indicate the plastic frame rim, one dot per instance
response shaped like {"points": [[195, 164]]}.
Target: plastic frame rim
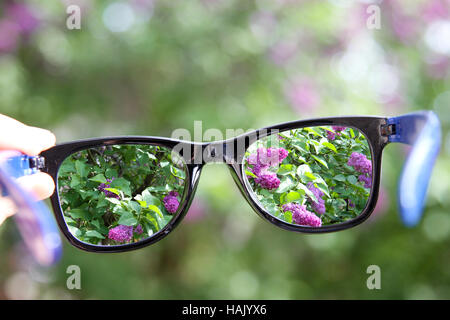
{"points": [[369, 126]]}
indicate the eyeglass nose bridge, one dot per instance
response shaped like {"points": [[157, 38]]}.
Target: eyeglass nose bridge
{"points": [[229, 151], [214, 153]]}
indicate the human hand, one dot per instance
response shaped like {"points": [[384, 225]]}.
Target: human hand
{"points": [[15, 135]]}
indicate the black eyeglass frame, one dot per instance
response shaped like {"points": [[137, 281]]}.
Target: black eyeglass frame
{"points": [[375, 129]]}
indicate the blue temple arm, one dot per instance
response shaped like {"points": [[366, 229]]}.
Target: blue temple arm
{"points": [[34, 220], [421, 130]]}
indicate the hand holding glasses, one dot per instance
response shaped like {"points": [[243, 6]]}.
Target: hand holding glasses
{"points": [[122, 193]]}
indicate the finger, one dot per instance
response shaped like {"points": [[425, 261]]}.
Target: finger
{"points": [[7, 208], [40, 184], [17, 136]]}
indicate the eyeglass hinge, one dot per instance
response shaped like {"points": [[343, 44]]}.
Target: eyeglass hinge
{"points": [[388, 129], [37, 163]]}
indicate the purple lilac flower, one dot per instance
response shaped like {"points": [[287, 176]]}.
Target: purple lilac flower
{"points": [[360, 162], [138, 229], [270, 156], [107, 193], [319, 205], [338, 129], [121, 233], [350, 203], [173, 194], [268, 181], [301, 216], [366, 179], [259, 169], [331, 135], [171, 202], [261, 161]]}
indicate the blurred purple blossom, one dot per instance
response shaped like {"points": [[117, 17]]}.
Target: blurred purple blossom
{"points": [[382, 203], [283, 51], [435, 10], [196, 211], [439, 67], [302, 95], [405, 27], [25, 17], [262, 23], [9, 36]]}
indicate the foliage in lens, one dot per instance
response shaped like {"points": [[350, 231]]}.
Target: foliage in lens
{"points": [[311, 176], [120, 194]]}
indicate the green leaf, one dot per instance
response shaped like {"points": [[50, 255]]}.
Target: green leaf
{"points": [[102, 202], [151, 156], [164, 164], [111, 173], [94, 234], [339, 177], [301, 146], [285, 169], [79, 213], [122, 184], [75, 181], [352, 179], [127, 219], [308, 192], [288, 216], [149, 198], [75, 231], [322, 186], [113, 200], [314, 130], [251, 174], [286, 184], [66, 167], [155, 209], [293, 196], [329, 146], [301, 170], [153, 221], [81, 168], [98, 178], [142, 203], [177, 172], [320, 160], [113, 190]]}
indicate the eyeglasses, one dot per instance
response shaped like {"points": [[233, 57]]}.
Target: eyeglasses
{"points": [[116, 194]]}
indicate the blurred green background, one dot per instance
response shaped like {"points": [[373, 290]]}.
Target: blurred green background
{"points": [[148, 67]]}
